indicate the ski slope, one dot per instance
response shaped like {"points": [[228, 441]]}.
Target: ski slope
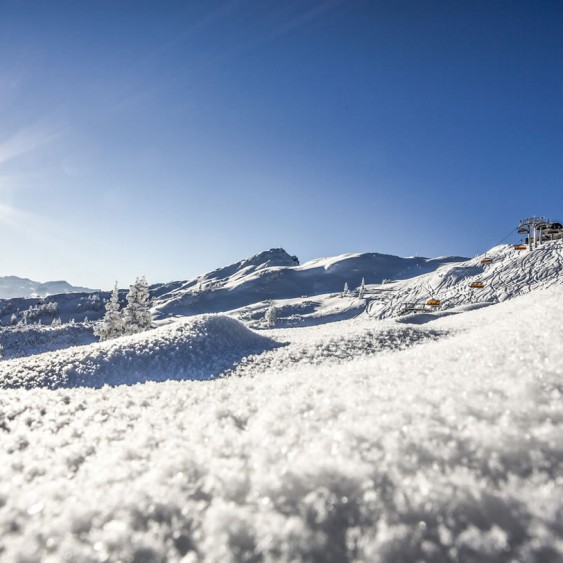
{"points": [[356, 441], [511, 273], [274, 274]]}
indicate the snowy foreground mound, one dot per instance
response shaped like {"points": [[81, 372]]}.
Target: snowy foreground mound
{"points": [[200, 348], [449, 450]]}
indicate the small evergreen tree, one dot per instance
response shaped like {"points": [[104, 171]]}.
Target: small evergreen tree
{"points": [[137, 316], [362, 289], [346, 290], [111, 326], [271, 315]]}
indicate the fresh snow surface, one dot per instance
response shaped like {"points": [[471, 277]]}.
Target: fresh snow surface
{"points": [[379, 441], [198, 348], [27, 340]]}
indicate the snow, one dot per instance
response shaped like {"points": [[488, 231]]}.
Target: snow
{"points": [[348, 433], [26, 340], [274, 275], [350, 443], [199, 348], [13, 286], [511, 273]]}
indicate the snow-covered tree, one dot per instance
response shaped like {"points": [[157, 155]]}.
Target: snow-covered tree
{"points": [[111, 326], [346, 290], [362, 289], [271, 315], [137, 316]]}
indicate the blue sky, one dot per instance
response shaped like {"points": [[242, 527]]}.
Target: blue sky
{"points": [[168, 138]]}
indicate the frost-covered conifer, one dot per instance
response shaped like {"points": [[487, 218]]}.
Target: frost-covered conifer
{"points": [[111, 326], [346, 290], [137, 316], [271, 315], [362, 289]]}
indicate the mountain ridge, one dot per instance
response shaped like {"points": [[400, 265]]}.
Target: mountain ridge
{"points": [[14, 286]]}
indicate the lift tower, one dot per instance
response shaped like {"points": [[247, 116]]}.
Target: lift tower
{"points": [[532, 227]]}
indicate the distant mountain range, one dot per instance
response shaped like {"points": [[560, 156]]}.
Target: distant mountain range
{"points": [[13, 286]]}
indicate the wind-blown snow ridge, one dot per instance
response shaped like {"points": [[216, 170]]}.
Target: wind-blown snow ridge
{"points": [[200, 348]]}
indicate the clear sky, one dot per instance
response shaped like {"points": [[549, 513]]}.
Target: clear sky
{"points": [[168, 138]]}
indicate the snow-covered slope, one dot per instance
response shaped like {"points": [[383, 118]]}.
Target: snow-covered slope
{"points": [[448, 450], [510, 274], [13, 286], [26, 340], [272, 274], [65, 306], [201, 348], [275, 275]]}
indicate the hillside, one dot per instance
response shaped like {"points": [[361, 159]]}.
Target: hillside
{"points": [[355, 441], [504, 273], [272, 274], [275, 275]]}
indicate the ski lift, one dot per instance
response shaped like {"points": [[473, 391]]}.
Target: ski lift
{"points": [[486, 260], [477, 285], [520, 247], [433, 302]]}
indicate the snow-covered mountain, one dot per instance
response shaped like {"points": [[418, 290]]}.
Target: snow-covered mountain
{"points": [[275, 274], [13, 286], [272, 274]]}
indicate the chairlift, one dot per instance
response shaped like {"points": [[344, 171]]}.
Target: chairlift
{"points": [[477, 285]]}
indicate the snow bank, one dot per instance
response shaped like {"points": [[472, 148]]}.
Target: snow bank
{"points": [[448, 451], [200, 348], [25, 340]]}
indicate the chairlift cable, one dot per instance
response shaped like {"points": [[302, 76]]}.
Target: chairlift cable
{"points": [[501, 241]]}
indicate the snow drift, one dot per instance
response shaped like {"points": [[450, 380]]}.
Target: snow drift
{"points": [[200, 348]]}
